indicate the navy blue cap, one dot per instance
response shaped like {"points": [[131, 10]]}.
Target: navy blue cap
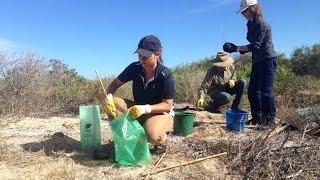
{"points": [[148, 45]]}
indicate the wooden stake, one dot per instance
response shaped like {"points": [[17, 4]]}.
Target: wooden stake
{"points": [[157, 163], [184, 164]]}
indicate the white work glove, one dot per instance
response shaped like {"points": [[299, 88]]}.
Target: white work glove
{"points": [[138, 110]]}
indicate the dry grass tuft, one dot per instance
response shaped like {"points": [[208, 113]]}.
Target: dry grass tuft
{"points": [[281, 157]]}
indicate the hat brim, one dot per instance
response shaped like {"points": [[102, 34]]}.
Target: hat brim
{"points": [[242, 9], [144, 52], [224, 64]]}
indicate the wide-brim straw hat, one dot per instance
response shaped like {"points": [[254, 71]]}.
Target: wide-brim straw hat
{"points": [[223, 59]]}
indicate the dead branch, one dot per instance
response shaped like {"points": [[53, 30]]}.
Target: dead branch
{"points": [[274, 132], [293, 147], [294, 175], [184, 164], [157, 163]]}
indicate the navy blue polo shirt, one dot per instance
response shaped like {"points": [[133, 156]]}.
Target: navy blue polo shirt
{"points": [[162, 87]]}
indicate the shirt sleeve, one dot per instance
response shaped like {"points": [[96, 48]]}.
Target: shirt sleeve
{"points": [[128, 73], [206, 83], [256, 39]]}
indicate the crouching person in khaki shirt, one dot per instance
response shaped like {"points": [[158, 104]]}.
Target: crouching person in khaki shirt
{"points": [[221, 85]]}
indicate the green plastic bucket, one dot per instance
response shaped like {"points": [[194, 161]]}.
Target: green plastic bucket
{"points": [[90, 132], [183, 123]]}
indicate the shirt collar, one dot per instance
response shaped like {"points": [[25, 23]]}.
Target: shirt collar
{"points": [[254, 19], [158, 70]]}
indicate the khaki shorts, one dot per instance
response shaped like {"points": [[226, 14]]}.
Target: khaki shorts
{"points": [[156, 125]]}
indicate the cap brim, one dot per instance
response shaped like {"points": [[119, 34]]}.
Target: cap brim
{"points": [[242, 9], [144, 52]]}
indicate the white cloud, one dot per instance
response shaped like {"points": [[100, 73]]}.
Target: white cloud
{"points": [[6, 44]]}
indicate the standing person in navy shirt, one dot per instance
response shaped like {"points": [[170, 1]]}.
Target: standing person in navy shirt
{"points": [[153, 90], [264, 63]]}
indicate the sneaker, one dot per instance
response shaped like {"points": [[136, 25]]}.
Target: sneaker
{"points": [[253, 121], [269, 123], [275, 122]]}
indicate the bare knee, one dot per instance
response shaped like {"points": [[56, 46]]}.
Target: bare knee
{"points": [[156, 136], [156, 127]]}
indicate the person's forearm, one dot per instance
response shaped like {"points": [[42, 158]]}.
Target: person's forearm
{"points": [[243, 49], [113, 87], [161, 107]]}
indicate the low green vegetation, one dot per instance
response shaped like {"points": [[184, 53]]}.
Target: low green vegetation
{"points": [[29, 85]]}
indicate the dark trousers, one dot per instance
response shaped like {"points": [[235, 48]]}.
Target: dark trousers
{"points": [[224, 96], [260, 91]]}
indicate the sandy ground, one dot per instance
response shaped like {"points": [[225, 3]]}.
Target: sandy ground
{"points": [[49, 148]]}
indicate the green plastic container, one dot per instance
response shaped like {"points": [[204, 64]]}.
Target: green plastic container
{"points": [[183, 123], [90, 127]]}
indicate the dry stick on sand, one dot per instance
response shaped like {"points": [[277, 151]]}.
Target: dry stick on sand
{"points": [[184, 164], [157, 163], [294, 175], [274, 132]]}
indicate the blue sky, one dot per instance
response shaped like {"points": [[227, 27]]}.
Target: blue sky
{"points": [[103, 34]]}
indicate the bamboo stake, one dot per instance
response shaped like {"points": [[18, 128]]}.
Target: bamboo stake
{"points": [[104, 90], [186, 163], [158, 162], [112, 114]]}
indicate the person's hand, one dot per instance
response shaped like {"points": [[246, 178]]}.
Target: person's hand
{"points": [[110, 107], [200, 102], [230, 47], [138, 110], [232, 83]]}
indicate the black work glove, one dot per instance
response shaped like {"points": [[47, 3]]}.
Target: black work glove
{"points": [[230, 47]]}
